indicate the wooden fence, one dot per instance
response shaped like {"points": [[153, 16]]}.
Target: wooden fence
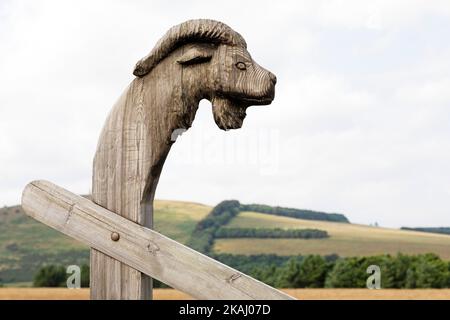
{"points": [[139, 247]]}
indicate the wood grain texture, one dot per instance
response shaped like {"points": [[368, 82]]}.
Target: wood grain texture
{"points": [[198, 59], [141, 248]]}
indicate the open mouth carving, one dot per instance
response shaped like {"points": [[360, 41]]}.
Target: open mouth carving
{"points": [[230, 113]]}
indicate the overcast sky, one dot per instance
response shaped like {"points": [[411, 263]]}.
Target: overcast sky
{"points": [[359, 125]]}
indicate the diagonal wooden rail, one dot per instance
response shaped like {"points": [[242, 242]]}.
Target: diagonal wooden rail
{"points": [[139, 247]]}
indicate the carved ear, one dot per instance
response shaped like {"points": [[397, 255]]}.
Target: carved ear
{"points": [[195, 55]]}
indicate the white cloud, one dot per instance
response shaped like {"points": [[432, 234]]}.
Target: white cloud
{"points": [[359, 124]]}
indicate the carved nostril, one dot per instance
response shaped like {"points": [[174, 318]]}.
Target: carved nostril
{"points": [[273, 78]]}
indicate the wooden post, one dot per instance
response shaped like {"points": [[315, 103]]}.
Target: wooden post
{"points": [[195, 60], [141, 248], [125, 174]]}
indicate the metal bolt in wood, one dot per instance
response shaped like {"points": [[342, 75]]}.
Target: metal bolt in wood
{"points": [[115, 236]]}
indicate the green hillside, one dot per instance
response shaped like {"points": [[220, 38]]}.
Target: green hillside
{"points": [[26, 245], [344, 239]]}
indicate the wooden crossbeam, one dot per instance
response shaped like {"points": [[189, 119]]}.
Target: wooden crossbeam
{"points": [[139, 247]]}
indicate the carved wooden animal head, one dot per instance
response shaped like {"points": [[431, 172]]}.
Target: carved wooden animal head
{"points": [[213, 63]]}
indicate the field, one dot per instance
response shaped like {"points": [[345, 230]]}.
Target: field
{"points": [[25, 244], [177, 219], [345, 239], [304, 294]]}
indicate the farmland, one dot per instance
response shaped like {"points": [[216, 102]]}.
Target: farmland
{"points": [[25, 244], [304, 294], [345, 239]]}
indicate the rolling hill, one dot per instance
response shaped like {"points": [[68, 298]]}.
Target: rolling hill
{"points": [[26, 245], [345, 239]]}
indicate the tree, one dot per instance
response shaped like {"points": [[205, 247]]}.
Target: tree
{"points": [[50, 276], [268, 274], [428, 271], [309, 272], [289, 274], [347, 273], [85, 276], [395, 269]]}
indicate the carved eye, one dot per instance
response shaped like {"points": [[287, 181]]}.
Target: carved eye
{"points": [[241, 66]]}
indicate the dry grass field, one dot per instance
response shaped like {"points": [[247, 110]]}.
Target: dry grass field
{"points": [[177, 219], [304, 294], [345, 239]]}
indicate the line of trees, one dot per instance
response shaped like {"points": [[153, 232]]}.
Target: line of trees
{"points": [[295, 213], [51, 276], [310, 271], [211, 227], [441, 230], [56, 276], [270, 233], [314, 271], [202, 238]]}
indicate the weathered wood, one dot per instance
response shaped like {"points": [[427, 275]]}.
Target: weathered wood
{"points": [[198, 59], [141, 248]]}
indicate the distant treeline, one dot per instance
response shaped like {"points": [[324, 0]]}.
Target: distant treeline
{"points": [[211, 227], [56, 276], [311, 271], [51, 276], [295, 213], [202, 238], [441, 230], [270, 233], [314, 271]]}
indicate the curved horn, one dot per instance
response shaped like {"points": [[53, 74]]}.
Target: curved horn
{"points": [[189, 31]]}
